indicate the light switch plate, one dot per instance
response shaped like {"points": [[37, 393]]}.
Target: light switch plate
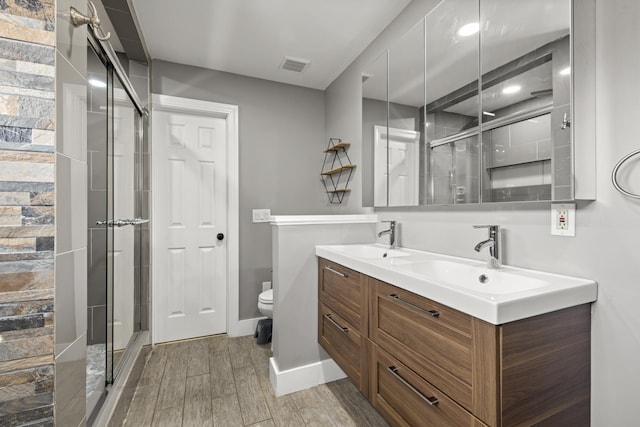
{"points": [[261, 215], [563, 219]]}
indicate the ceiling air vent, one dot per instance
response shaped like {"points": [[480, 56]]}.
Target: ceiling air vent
{"points": [[294, 64]]}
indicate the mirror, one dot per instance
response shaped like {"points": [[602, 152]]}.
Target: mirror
{"points": [[453, 145], [478, 107], [375, 116], [525, 64], [406, 118]]}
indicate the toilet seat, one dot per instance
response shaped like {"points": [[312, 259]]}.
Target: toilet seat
{"points": [[265, 303], [266, 297]]}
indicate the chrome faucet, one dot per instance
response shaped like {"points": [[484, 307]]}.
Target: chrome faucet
{"points": [[493, 243], [392, 234]]}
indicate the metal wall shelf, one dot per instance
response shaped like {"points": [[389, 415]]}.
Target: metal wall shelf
{"points": [[336, 170]]}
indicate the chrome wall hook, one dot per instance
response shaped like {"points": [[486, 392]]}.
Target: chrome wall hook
{"points": [[78, 19]]}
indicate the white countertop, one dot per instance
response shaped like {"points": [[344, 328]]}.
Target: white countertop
{"points": [[509, 293], [322, 219]]}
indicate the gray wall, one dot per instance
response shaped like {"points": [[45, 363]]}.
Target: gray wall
{"points": [[607, 232], [282, 135]]}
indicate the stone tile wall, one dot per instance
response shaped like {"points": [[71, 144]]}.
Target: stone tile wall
{"points": [[27, 213]]}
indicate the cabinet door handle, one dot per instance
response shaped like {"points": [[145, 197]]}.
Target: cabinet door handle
{"points": [[432, 313], [334, 323], [430, 400], [336, 271]]}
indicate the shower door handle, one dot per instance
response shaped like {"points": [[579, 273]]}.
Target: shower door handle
{"points": [[122, 222], [138, 221]]}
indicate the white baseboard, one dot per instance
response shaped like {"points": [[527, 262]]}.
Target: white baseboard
{"points": [[303, 377], [244, 327]]}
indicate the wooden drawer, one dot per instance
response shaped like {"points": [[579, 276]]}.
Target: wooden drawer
{"points": [[347, 346], [406, 399], [433, 340], [345, 291]]}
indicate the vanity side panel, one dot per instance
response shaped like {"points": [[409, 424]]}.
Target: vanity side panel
{"points": [[575, 415], [485, 373], [546, 368]]}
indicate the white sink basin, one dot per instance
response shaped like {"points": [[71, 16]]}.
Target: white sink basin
{"points": [[494, 295], [370, 251], [473, 277]]}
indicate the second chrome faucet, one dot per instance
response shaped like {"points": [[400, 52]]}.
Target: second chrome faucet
{"points": [[392, 234], [493, 243]]}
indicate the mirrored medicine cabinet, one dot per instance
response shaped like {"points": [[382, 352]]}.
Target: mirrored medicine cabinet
{"points": [[483, 101]]}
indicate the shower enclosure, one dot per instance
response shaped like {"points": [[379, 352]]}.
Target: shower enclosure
{"points": [[115, 122]]}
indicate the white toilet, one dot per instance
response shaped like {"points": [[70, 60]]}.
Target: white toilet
{"points": [[265, 303]]}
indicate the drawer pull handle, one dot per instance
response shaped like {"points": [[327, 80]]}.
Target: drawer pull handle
{"points": [[334, 323], [430, 400], [432, 313], [336, 271]]}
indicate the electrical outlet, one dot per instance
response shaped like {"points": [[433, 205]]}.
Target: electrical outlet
{"points": [[563, 219], [261, 215]]}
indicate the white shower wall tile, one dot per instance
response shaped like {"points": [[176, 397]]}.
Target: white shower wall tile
{"points": [[71, 110], [71, 204], [70, 384], [70, 297], [71, 42]]}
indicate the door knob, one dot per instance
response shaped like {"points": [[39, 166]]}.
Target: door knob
{"points": [[220, 236]]}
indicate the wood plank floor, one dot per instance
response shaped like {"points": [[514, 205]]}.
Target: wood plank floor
{"points": [[221, 381]]}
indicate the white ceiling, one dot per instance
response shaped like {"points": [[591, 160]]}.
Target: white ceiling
{"points": [[251, 37]]}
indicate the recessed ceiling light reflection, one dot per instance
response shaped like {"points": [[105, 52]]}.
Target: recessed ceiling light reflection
{"points": [[486, 113], [97, 83], [511, 89], [469, 29], [565, 71]]}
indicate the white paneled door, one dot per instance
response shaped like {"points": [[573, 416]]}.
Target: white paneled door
{"points": [[123, 158], [190, 225]]}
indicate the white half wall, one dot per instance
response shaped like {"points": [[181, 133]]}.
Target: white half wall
{"points": [[298, 360]]}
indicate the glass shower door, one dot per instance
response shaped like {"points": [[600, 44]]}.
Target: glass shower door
{"points": [[114, 139], [123, 262], [99, 363]]}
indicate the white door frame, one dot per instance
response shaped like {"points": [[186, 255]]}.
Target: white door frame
{"points": [[229, 113]]}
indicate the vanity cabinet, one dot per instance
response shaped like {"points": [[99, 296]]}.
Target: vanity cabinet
{"points": [[343, 320], [405, 398], [429, 364], [433, 340]]}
